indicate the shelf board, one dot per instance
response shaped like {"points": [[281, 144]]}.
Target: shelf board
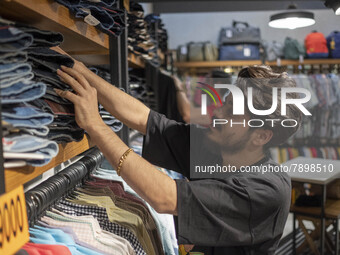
{"points": [[324, 61], [18, 176], [205, 64], [135, 61], [284, 62]]}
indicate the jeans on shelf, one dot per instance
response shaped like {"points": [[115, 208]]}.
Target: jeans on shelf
{"points": [[49, 59], [11, 73], [31, 144], [26, 116], [13, 39], [27, 92], [43, 38], [13, 57]]}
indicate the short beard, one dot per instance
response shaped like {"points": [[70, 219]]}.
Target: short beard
{"points": [[237, 146]]}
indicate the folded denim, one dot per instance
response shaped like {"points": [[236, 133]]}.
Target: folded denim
{"points": [[32, 144], [23, 115], [39, 131], [61, 110], [42, 38], [36, 90], [103, 17], [49, 59], [13, 57], [49, 78], [61, 134], [14, 71], [13, 39], [53, 96]]}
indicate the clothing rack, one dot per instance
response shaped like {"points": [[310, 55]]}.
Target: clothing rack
{"points": [[46, 194]]}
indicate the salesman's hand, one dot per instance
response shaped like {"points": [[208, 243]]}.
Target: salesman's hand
{"points": [[85, 100]]}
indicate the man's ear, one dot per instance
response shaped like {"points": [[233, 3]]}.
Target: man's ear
{"points": [[262, 136]]}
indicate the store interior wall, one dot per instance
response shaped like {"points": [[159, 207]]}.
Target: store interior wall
{"points": [[186, 27]]}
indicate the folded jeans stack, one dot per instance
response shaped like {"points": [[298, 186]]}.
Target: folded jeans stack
{"points": [[25, 123], [100, 13], [139, 39], [156, 29]]}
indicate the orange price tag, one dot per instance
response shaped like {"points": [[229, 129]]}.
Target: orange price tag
{"points": [[13, 221]]}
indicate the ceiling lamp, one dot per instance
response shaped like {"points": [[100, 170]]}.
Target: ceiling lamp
{"points": [[292, 19], [334, 4]]}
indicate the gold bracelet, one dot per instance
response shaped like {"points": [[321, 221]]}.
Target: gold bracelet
{"points": [[121, 160]]}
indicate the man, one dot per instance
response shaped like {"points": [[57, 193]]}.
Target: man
{"points": [[241, 213]]}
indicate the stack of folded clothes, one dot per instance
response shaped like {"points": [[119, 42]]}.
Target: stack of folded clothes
{"points": [[157, 31], [139, 39], [24, 126], [101, 14]]}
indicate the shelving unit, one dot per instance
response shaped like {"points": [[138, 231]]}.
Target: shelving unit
{"points": [[82, 41], [18, 176], [283, 62]]}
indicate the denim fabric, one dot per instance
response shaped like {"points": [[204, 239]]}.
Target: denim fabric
{"points": [[49, 59], [32, 144], [11, 73], [35, 91], [53, 96], [43, 38], [115, 124], [106, 21], [26, 116], [13, 39], [65, 134], [109, 18], [18, 88], [39, 131], [49, 78], [13, 57]]}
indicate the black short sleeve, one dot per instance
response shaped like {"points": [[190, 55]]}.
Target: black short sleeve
{"points": [[240, 210], [213, 213], [167, 143]]}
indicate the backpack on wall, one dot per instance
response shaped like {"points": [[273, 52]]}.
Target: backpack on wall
{"points": [[316, 45], [240, 32], [239, 52], [293, 49], [201, 51], [333, 43], [273, 50]]}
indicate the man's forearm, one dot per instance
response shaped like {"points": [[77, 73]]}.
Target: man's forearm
{"points": [[124, 107], [155, 187]]}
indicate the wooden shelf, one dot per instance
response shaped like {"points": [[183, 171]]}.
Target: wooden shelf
{"points": [[79, 37], [284, 62], [18, 176], [82, 41], [135, 61]]}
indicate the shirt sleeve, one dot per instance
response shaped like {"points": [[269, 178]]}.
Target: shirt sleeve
{"points": [[213, 213], [167, 143]]}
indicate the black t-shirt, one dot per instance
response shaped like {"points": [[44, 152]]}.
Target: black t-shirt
{"points": [[243, 213]]}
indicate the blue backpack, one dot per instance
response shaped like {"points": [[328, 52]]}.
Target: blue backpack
{"points": [[333, 43]]}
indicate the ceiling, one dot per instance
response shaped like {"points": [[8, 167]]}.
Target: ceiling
{"points": [[176, 6]]}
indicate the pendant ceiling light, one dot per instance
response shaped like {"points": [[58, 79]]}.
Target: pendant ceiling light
{"points": [[335, 5], [292, 19]]}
